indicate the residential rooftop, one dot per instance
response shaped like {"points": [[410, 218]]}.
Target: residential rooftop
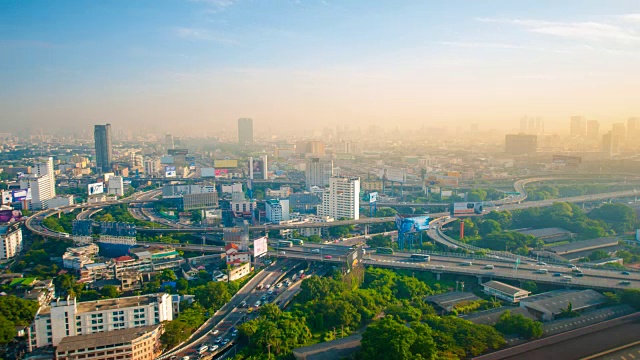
{"points": [[103, 339]]}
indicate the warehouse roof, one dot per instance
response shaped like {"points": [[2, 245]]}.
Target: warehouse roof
{"points": [[584, 245]]}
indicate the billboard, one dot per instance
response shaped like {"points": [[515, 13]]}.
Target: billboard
{"points": [[207, 172], [169, 171], [96, 188], [373, 197], [256, 166], [22, 194], [394, 175], [7, 216], [412, 224], [467, 208], [226, 163], [220, 172], [6, 197], [259, 246]]}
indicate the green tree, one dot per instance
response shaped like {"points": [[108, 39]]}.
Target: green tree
{"points": [[7, 330], [168, 275], [424, 347], [489, 226], [316, 239], [387, 339], [109, 292], [386, 212], [598, 255], [175, 332], [379, 241]]}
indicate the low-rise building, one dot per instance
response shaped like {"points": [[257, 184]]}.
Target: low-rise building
{"points": [[77, 257], [141, 343], [504, 291], [277, 210], [547, 306], [67, 317]]}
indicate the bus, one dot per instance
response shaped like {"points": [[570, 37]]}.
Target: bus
{"points": [[420, 257], [383, 250], [285, 243], [297, 242]]}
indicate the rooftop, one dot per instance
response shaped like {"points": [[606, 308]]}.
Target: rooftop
{"points": [[504, 288], [547, 233], [449, 300], [103, 339], [584, 245], [490, 317], [108, 304], [554, 301]]}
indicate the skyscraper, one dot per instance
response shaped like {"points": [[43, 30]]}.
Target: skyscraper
{"points": [[593, 128], [342, 199], [610, 144], [578, 126], [245, 131], [521, 144], [318, 172], [42, 182], [102, 137]]}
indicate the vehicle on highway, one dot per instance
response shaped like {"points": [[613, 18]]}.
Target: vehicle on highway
{"points": [[576, 270], [488, 266], [249, 310], [542, 263], [420, 257], [566, 278], [542, 271], [268, 286], [218, 339], [263, 298], [213, 348], [328, 257], [625, 282], [571, 266], [625, 273], [257, 304], [270, 292], [215, 331], [466, 263], [557, 274], [579, 274], [315, 251], [384, 250], [242, 304], [225, 342], [279, 285], [439, 266], [297, 242], [185, 358], [285, 243], [234, 333], [203, 349], [282, 253]]}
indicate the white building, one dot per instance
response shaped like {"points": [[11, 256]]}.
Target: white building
{"points": [[306, 232], [61, 201], [67, 317], [283, 192], [243, 206], [11, 240], [151, 166], [318, 172], [342, 199], [233, 188], [116, 186], [277, 210], [173, 191], [42, 182]]}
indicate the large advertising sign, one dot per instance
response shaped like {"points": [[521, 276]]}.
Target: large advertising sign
{"points": [[96, 188], [6, 197], [373, 197], [412, 224], [20, 195], [256, 166], [7, 216], [259, 246], [394, 175], [207, 172], [169, 171], [467, 208], [225, 163]]}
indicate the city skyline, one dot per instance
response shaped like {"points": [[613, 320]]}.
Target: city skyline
{"points": [[313, 64]]}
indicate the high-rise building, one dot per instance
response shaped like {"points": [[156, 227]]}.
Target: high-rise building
{"points": [[619, 130], [610, 144], [633, 128], [104, 156], [578, 126], [168, 141], [593, 129], [318, 172], [245, 131], [521, 144], [342, 199], [116, 186], [277, 210], [10, 240], [67, 317], [42, 182]]}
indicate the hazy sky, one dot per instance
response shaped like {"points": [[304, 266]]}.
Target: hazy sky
{"points": [[183, 66]]}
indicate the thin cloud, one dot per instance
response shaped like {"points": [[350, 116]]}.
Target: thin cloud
{"points": [[591, 31], [197, 34], [630, 17], [495, 45]]}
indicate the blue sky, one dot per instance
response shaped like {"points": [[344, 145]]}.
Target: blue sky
{"points": [[209, 62]]}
